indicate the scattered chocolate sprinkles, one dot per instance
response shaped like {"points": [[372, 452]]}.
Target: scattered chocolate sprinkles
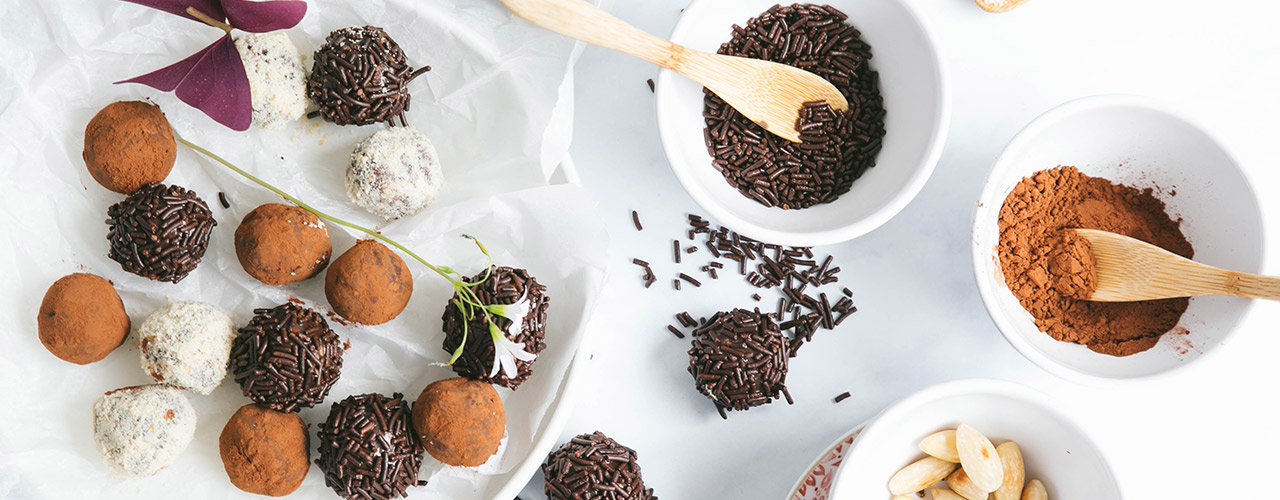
{"points": [[286, 358], [835, 148], [843, 396], [675, 331], [222, 198], [739, 360], [159, 232], [367, 450], [635, 219], [652, 87], [505, 285], [593, 466], [361, 77]]}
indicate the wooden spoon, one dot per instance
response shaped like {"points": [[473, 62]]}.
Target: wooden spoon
{"points": [[999, 5], [1130, 270], [768, 93]]}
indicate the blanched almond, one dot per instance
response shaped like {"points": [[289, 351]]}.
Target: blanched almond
{"points": [[1015, 472], [1035, 491], [941, 445], [979, 459], [962, 485], [919, 475], [944, 494]]}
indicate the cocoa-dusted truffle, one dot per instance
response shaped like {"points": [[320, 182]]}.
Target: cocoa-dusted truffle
{"points": [[186, 344], [504, 286], [282, 244], [360, 77], [159, 232], [286, 358], [264, 451], [460, 422], [82, 319], [367, 448], [128, 145], [141, 430], [593, 466], [368, 284], [732, 340]]}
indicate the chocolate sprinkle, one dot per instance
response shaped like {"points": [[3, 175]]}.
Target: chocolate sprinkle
{"points": [[505, 286], [222, 198], [843, 396], [635, 219], [361, 77], [286, 358], [835, 148], [739, 360], [593, 466], [159, 232], [367, 449]]}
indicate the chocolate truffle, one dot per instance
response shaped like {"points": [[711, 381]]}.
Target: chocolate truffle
{"points": [[735, 339], [504, 286], [187, 344], [82, 319], [394, 173], [460, 422], [360, 77], [159, 232], [593, 466], [140, 430], [286, 358], [367, 449], [264, 451], [368, 284], [282, 244], [128, 145], [277, 80]]}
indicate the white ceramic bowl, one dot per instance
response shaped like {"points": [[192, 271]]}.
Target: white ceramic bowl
{"points": [[912, 80], [1134, 141], [1055, 450]]}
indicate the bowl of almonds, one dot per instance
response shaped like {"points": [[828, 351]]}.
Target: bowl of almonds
{"points": [[973, 440]]}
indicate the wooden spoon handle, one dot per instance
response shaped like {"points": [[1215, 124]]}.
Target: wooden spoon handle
{"points": [[1252, 286], [583, 21]]}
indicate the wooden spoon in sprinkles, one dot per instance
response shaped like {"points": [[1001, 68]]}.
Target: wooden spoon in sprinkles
{"points": [[1128, 270], [768, 93], [998, 6]]}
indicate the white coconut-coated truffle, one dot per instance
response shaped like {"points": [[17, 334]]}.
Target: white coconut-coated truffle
{"points": [[187, 344], [277, 80], [140, 430], [394, 173]]}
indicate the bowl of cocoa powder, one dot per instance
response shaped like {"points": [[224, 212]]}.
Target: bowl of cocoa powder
{"points": [[1123, 164]]}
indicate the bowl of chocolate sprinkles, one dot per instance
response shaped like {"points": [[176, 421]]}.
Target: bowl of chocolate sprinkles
{"points": [[853, 170], [159, 232], [286, 358], [367, 448], [739, 360], [1154, 157]]}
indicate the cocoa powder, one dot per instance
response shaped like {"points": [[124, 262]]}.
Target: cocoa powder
{"points": [[1046, 268]]}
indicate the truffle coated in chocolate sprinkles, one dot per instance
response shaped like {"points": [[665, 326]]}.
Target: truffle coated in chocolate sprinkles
{"points": [[367, 449], [739, 360], [159, 232], [594, 467], [505, 285], [360, 77], [836, 148], [286, 358]]}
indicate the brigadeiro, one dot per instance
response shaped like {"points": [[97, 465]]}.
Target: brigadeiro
{"points": [[360, 77], [277, 80], [506, 286], [159, 232], [368, 284], [593, 466], [733, 340], [141, 430], [282, 244], [367, 448], [265, 452], [82, 319], [394, 173], [128, 145], [460, 422], [187, 344], [286, 358]]}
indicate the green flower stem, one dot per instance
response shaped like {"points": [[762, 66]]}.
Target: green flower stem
{"points": [[209, 20]]}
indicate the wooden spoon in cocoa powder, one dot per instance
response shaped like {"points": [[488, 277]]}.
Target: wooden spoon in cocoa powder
{"points": [[999, 5], [1130, 270]]}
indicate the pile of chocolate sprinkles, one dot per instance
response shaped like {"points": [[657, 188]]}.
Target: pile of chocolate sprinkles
{"points": [[367, 449], [505, 285], [594, 466], [286, 358], [739, 360], [360, 77], [159, 232], [835, 148]]}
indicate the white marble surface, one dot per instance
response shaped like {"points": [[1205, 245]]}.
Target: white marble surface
{"points": [[1208, 432]]}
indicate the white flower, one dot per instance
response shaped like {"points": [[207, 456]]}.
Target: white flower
{"points": [[515, 312], [506, 352]]}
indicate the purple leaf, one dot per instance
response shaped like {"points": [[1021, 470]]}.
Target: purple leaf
{"points": [[261, 17], [179, 7], [217, 85], [167, 78]]}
